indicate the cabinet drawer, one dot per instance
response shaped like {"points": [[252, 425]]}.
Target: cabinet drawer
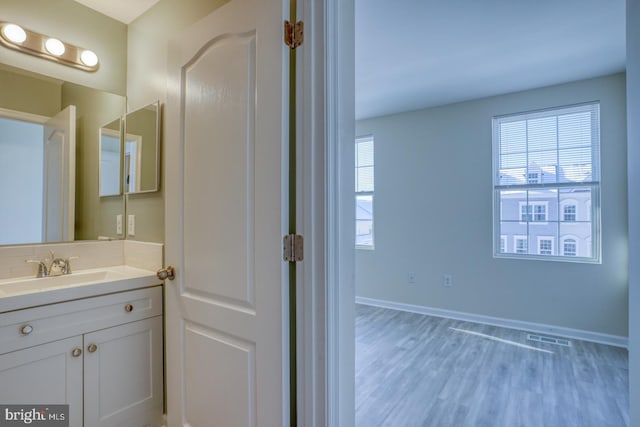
{"points": [[33, 326]]}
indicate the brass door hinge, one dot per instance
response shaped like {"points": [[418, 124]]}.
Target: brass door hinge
{"points": [[293, 34], [293, 248]]}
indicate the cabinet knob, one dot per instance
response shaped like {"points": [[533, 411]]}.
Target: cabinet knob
{"points": [[76, 352], [92, 348], [128, 308], [26, 329]]}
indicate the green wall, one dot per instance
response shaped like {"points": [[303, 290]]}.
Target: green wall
{"points": [[22, 92]]}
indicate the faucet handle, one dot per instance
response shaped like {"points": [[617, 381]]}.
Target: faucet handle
{"points": [[69, 263], [42, 267]]}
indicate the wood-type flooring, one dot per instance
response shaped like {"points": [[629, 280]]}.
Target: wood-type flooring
{"points": [[417, 370]]}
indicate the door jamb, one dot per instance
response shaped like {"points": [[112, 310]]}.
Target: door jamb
{"points": [[325, 107]]}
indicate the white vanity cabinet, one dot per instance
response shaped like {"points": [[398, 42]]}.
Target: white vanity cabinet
{"points": [[101, 355]]}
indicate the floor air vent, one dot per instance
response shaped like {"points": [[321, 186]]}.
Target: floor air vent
{"points": [[549, 340]]}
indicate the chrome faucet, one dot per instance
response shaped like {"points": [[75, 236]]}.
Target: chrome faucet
{"points": [[57, 266]]}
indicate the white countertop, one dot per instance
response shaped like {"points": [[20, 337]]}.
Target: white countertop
{"points": [[23, 292]]}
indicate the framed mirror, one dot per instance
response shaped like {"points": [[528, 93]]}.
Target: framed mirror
{"points": [[111, 158], [142, 150]]}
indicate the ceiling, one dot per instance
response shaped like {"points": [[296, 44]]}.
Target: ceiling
{"points": [[413, 54], [121, 10]]}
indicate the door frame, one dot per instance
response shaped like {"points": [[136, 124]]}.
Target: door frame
{"points": [[325, 146]]}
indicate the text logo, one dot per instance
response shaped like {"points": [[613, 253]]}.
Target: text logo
{"points": [[34, 415]]}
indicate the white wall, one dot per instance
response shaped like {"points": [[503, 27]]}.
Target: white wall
{"points": [[433, 215], [633, 150]]}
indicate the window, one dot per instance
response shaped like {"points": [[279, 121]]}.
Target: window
{"points": [[546, 169], [533, 177], [364, 192], [569, 213], [545, 245], [503, 244], [521, 244], [533, 212], [569, 247]]}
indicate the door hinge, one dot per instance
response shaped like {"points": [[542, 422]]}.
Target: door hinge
{"points": [[293, 245], [293, 34]]}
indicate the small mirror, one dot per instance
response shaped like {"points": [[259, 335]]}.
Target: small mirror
{"points": [[110, 156], [141, 150]]}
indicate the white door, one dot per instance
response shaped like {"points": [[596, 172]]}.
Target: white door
{"points": [[59, 176], [226, 312]]}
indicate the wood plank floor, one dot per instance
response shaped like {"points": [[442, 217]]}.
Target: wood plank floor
{"points": [[417, 370]]}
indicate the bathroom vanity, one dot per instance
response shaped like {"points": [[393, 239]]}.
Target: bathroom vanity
{"points": [[92, 340]]}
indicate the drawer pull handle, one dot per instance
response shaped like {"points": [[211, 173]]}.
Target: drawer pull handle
{"points": [[26, 329], [76, 352], [128, 308], [92, 348]]}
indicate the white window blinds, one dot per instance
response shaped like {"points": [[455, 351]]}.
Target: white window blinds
{"points": [[548, 158], [364, 166]]}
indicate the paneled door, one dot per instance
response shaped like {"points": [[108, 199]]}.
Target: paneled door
{"points": [[226, 200], [59, 176]]}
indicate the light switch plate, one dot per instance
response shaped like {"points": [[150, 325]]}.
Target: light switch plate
{"points": [[119, 224], [131, 225]]}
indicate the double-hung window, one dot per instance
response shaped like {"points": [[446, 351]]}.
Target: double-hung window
{"points": [[364, 192], [547, 170]]}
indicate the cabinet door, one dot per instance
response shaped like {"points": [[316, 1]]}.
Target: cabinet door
{"points": [[47, 374], [123, 375]]}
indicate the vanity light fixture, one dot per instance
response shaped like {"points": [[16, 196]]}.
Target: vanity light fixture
{"points": [[21, 39]]}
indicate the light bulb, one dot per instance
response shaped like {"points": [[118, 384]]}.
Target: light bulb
{"points": [[14, 33], [89, 58], [54, 47]]}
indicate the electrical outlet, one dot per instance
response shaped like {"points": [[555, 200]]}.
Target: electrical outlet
{"points": [[447, 280], [411, 277], [119, 224], [131, 225]]}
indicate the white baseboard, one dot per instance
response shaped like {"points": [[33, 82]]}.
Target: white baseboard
{"points": [[560, 331]]}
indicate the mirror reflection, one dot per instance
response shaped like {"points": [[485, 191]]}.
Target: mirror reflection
{"points": [[141, 149], [50, 195], [110, 156], [38, 163]]}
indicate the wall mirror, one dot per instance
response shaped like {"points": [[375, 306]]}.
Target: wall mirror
{"points": [[57, 206], [110, 158], [142, 149]]}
